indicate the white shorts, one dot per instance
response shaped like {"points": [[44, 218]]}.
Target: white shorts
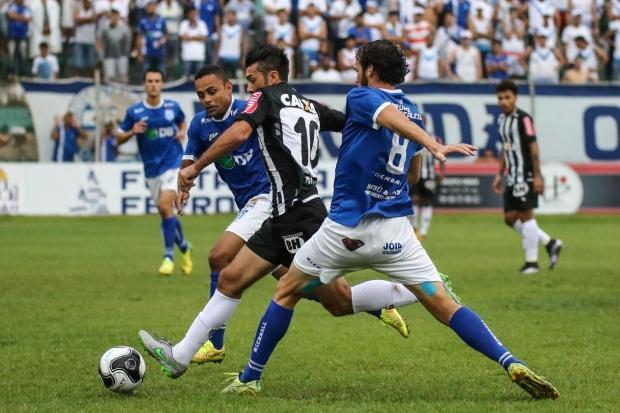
{"points": [[251, 217], [164, 182], [387, 245]]}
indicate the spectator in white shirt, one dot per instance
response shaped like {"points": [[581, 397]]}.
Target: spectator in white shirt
{"points": [[84, 56], [243, 10], [591, 56], [587, 8], [571, 32], [172, 13], [321, 6], [481, 25], [536, 10], [549, 30], [271, 11], [341, 15], [466, 60], [45, 64], [429, 65], [284, 36], [347, 59], [326, 72], [231, 42], [312, 32], [614, 35], [194, 34], [373, 19], [393, 29], [544, 62]]}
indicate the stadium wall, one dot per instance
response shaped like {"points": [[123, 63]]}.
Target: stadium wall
{"points": [[119, 189], [578, 124]]}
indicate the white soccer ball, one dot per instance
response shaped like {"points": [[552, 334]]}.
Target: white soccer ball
{"points": [[121, 369]]}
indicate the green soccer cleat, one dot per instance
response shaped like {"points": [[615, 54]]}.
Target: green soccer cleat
{"points": [[447, 285], [167, 267], [531, 382], [236, 386], [392, 318], [209, 354], [187, 265], [161, 350]]}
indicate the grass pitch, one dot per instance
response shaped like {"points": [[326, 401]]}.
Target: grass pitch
{"points": [[73, 287]]}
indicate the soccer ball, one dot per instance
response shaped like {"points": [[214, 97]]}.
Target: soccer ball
{"points": [[121, 369]]}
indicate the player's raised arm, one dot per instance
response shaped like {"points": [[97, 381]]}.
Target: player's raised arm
{"points": [[393, 119], [331, 119]]}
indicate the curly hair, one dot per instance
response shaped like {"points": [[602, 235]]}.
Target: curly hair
{"points": [[387, 59], [268, 57]]}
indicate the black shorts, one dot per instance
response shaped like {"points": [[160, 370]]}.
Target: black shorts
{"points": [[278, 239], [520, 197], [424, 188]]}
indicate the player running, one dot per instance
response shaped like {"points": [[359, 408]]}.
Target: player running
{"points": [[367, 226], [287, 125], [244, 173], [159, 126], [524, 181]]}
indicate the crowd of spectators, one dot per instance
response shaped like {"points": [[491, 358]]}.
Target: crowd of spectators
{"points": [[549, 41]]}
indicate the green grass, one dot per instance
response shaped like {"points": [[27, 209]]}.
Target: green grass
{"points": [[72, 288]]}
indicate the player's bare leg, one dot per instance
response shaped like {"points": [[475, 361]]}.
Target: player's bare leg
{"points": [[474, 332], [172, 234], [220, 256]]}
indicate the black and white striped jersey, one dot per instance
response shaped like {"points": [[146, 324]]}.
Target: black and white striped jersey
{"points": [[517, 132], [288, 126], [427, 166]]}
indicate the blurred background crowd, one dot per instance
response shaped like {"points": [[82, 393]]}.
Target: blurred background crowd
{"points": [[547, 41]]}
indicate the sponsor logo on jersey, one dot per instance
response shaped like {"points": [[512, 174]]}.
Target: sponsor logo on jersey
{"points": [[154, 133], [301, 103], [529, 126], [392, 248], [252, 104], [226, 161], [293, 242]]}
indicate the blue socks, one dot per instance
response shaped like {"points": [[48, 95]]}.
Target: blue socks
{"points": [[271, 329], [172, 233], [168, 231], [473, 331], [179, 239], [216, 336]]}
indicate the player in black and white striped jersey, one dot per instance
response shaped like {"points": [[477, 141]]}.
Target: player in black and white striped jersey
{"points": [[524, 181], [423, 192]]}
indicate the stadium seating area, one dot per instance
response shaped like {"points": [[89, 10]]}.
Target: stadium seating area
{"points": [[550, 41]]}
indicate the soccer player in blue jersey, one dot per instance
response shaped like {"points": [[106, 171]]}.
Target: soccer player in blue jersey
{"points": [[244, 172], [159, 126], [367, 225]]}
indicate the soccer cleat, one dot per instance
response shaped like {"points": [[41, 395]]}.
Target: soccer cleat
{"points": [[531, 382], [529, 268], [166, 267], [161, 350], [554, 247], [392, 318], [447, 285], [209, 354], [186, 260], [236, 386]]}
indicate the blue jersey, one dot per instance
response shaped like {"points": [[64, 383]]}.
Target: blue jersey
{"points": [[159, 148], [18, 29], [242, 169], [209, 10], [154, 31], [66, 146], [371, 173]]}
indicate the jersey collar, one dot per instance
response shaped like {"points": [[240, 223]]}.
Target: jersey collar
{"points": [[159, 105], [391, 90], [227, 114]]}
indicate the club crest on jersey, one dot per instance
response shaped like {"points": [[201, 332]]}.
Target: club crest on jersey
{"points": [[294, 101], [252, 104], [169, 115], [213, 135]]}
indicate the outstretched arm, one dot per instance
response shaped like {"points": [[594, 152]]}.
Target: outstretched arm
{"points": [[393, 119]]}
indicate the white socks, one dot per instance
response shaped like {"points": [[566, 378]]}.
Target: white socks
{"points": [[518, 226], [215, 314], [426, 214], [543, 237], [377, 294], [530, 240]]}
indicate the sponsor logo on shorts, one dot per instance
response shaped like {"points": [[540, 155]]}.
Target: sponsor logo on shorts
{"points": [[392, 248], [352, 244], [293, 242]]}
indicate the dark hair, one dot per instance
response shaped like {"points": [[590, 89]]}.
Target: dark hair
{"points": [[496, 41], [387, 59], [43, 45], [212, 70], [269, 57], [507, 85], [152, 70]]}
